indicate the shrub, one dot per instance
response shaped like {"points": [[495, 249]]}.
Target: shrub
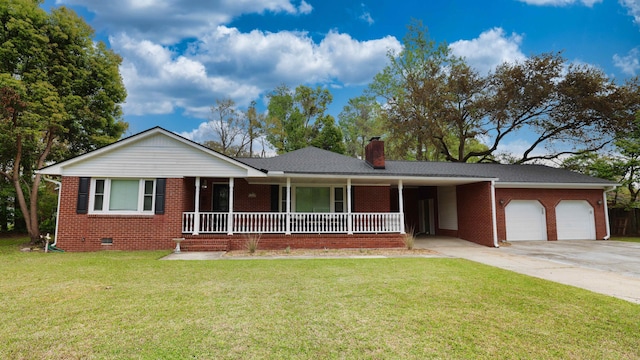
{"points": [[409, 239], [252, 242]]}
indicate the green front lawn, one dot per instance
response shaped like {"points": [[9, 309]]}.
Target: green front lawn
{"points": [[625, 238], [124, 305]]}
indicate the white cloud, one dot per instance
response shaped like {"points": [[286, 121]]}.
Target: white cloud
{"points": [[242, 66], [489, 50], [202, 133], [629, 64], [292, 57], [588, 3], [305, 8], [633, 7], [178, 54], [158, 81], [366, 15], [169, 21]]}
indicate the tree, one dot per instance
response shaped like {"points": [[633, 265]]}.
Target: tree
{"points": [[360, 120], [462, 119], [437, 107], [407, 86], [621, 165], [230, 128], [571, 110], [61, 95], [255, 130], [235, 131], [330, 136], [628, 144], [296, 118]]}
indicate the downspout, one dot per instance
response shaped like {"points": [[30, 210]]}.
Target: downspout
{"points": [[493, 214], [606, 212], [59, 188]]}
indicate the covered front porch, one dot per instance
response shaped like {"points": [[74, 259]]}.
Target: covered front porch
{"points": [[302, 206]]}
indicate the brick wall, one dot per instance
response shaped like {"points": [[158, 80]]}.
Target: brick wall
{"points": [[475, 220], [241, 199], [320, 241], [83, 232], [549, 198], [371, 198], [242, 202]]}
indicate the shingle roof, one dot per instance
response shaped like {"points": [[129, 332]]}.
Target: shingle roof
{"points": [[311, 160]]}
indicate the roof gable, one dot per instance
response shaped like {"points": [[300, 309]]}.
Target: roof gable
{"points": [[153, 153]]}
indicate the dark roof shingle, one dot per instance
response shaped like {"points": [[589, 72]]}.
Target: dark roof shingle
{"points": [[311, 160]]}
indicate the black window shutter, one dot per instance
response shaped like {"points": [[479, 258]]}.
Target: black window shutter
{"points": [[161, 186], [83, 195], [353, 199], [275, 198]]}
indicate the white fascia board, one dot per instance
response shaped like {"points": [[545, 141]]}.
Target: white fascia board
{"points": [[524, 185]]}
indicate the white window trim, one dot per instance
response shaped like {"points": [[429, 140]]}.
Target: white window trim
{"points": [[107, 194], [332, 194]]}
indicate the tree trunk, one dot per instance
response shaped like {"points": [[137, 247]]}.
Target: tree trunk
{"points": [[34, 233]]}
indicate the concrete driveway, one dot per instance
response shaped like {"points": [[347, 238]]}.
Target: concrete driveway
{"points": [[606, 267], [615, 256]]}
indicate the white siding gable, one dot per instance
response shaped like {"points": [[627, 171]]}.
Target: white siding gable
{"points": [[157, 155]]}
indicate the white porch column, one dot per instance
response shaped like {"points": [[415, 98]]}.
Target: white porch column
{"points": [[288, 216], [606, 212], [349, 217], [493, 214], [196, 216], [230, 218], [401, 206]]}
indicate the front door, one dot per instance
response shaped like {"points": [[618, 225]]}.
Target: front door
{"points": [[220, 197]]}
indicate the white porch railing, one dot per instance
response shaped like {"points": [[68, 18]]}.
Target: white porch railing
{"points": [[376, 222], [301, 223], [319, 223]]}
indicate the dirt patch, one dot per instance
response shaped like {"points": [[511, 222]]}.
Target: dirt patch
{"points": [[331, 252]]}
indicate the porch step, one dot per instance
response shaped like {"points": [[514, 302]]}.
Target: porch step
{"points": [[205, 245]]}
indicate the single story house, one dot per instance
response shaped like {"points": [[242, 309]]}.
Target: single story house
{"points": [[148, 189]]}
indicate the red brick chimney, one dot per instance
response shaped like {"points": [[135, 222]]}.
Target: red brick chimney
{"points": [[374, 153]]}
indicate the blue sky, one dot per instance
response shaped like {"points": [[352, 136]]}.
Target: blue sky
{"points": [[180, 56]]}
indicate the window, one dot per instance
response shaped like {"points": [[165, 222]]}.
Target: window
{"points": [[283, 199], [338, 196], [123, 195], [313, 199], [99, 197], [316, 199]]}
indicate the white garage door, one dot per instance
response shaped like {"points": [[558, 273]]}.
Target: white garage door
{"points": [[525, 220], [574, 220]]}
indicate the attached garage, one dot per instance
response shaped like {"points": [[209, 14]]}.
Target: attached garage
{"points": [[525, 220], [575, 220]]}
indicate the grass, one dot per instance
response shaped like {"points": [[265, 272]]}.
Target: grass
{"points": [[114, 305], [626, 238]]}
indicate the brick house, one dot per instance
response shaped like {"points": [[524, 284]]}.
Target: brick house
{"points": [[143, 191]]}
